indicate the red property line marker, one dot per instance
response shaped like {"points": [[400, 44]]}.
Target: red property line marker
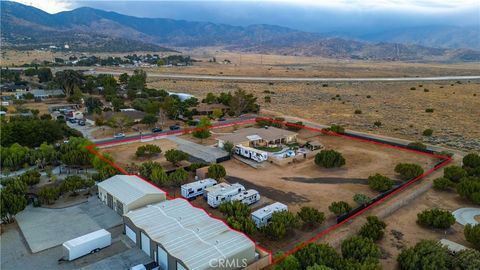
{"points": [[445, 161]]}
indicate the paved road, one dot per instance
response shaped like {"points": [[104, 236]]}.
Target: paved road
{"points": [[292, 79]]}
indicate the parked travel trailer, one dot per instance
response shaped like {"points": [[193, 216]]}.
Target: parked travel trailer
{"points": [[248, 197], [214, 188], [262, 216], [251, 153], [194, 189], [85, 244], [222, 195]]}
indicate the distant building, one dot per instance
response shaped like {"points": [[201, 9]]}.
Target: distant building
{"points": [[135, 116], [207, 109], [258, 137], [40, 94], [123, 193]]}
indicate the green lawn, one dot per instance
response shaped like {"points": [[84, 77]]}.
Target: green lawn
{"points": [[269, 149]]}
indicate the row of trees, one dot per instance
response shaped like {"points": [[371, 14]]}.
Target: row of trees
{"points": [[465, 180]]}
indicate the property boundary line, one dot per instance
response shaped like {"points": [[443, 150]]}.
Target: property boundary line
{"points": [[445, 161]]}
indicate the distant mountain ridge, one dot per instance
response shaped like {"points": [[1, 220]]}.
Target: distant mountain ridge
{"points": [[100, 30]]}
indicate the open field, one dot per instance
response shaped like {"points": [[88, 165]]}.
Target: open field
{"points": [[400, 110]]}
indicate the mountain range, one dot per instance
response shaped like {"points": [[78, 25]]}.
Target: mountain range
{"points": [[88, 29]]}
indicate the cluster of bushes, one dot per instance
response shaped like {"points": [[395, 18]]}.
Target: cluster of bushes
{"points": [[154, 172], [335, 129], [339, 208], [380, 182], [238, 216], [436, 218], [430, 254], [408, 171], [465, 180], [329, 159], [148, 150]]}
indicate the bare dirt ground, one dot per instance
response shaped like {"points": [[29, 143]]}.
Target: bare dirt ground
{"points": [[400, 110], [125, 154]]}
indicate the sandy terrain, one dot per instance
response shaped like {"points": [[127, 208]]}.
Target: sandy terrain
{"points": [[400, 110]]}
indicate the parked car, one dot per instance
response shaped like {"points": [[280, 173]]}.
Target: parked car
{"points": [[156, 130], [81, 122], [72, 120], [174, 127], [221, 119], [119, 135]]}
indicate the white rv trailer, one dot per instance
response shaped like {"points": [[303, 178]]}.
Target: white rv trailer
{"points": [[194, 189], [85, 244], [248, 197], [225, 194], [262, 216], [251, 153], [214, 188]]}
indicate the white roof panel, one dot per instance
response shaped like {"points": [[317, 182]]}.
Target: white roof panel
{"points": [[128, 188]]}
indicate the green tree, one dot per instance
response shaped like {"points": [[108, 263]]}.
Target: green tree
{"points": [[339, 208], [69, 80], [454, 173], [146, 168], [29, 72], [159, 176], [120, 121], [210, 98], [427, 132], [73, 183], [150, 120], [408, 170], [93, 104], [104, 167], [318, 254], [360, 249], [310, 216], [436, 218], [179, 176], [148, 150], [31, 177], [336, 129], [281, 223], [329, 159], [48, 195], [228, 146], [417, 145], [442, 183], [241, 102], [175, 156], [379, 182], [469, 188], [472, 234], [467, 260], [44, 75], [361, 198], [471, 160], [216, 171], [75, 152], [427, 254], [202, 131], [10, 205], [373, 229], [244, 224], [123, 78], [136, 83], [290, 262]]}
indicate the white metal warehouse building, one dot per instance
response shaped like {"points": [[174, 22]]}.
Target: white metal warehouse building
{"points": [[179, 236], [123, 193]]}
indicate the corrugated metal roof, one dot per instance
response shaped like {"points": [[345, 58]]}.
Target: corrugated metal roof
{"points": [[269, 209], [251, 133], [128, 188], [190, 235]]}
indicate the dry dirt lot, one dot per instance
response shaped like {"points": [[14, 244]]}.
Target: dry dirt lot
{"points": [[400, 110]]}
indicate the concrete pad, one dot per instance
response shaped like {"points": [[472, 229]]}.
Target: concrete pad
{"points": [[124, 260], [208, 154], [466, 216], [45, 228]]}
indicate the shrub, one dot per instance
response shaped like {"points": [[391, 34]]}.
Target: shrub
{"points": [[426, 90], [148, 150], [377, 123], [287, 263], [234, 209], [427, 254], [467, 260], [216, 171], [228, 146], [471, 160], [175, 156], [427, 132], [436, 218], [373, 229], [361, 198], [360, 249], [472, 234], [408, 170], [267, 99], [469, 188], [379, 182], [413, 88], [442, 183], [31, 177], [454, 173], [429, 110], [310, 216], [320, 254], [337, 129], [358, 112], [339, 208], [417, 146], [329, 159], [280, 224], [294, 126], [368, 96], [445, 154], [178, 177]]}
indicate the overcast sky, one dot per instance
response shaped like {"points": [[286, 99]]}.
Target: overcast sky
{"points": [[363, 16]]}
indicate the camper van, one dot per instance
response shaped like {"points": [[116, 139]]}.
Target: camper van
{"points": [[262, 216], [248, 197], [214, 189], [251, 153], [222, 195], [194, 189]]}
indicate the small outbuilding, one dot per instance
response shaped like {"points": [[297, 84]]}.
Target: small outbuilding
{"points": [[258, 137], [179, 236], [124, 193]]}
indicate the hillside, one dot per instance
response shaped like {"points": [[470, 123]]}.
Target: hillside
{"points": [[97, 30]]}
